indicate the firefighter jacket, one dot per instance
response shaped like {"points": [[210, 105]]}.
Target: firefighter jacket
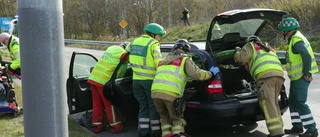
{"points": [[14, 50], [144, 57], [106, 65], [173, 73], [261, 64], [294, 61]]}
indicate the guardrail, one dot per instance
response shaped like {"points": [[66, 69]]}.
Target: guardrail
{"points": [[104, 43]]}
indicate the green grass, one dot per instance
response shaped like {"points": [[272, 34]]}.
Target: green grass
{"points": [[11, 126]]}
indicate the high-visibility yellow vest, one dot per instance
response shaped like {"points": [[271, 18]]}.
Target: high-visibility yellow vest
{"points": [[106, 65], [262, 62], [171, 78], [294, 61], [14, 49], [144, 57]]}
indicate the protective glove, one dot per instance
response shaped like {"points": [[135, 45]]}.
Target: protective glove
{"points": [[214, 70]]}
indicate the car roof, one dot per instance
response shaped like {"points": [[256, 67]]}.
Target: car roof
{"points": [[201, 45]]}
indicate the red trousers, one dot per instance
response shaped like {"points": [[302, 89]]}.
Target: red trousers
{"points": [[100, 103]]}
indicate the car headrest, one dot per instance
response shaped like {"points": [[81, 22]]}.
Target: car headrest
{"points": [[231, 37]]}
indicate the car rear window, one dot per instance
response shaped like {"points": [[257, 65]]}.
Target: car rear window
{"points": [[244, 27]]}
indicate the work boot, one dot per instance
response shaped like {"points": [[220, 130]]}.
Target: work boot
{"points": [[309, 134], [293, 131], [97, 128], [118, 129], [11, 96]]}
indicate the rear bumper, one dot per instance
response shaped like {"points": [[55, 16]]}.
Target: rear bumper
{"points": [[224, 113]]}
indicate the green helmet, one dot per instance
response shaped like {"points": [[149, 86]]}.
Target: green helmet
{"points": [[155, 28], [288, 24]]}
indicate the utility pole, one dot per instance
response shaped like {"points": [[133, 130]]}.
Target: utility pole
{"points": [[43, 84]]}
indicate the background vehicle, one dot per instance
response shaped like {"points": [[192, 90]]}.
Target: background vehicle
{"points": [[222, 100]]}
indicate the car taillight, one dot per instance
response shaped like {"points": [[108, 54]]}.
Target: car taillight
{"points": [[214, 87]]}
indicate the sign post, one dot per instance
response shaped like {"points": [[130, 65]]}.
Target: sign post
{"points": [[123, 25]]}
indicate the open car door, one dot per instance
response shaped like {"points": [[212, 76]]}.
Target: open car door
{"points": [[78, 90]]}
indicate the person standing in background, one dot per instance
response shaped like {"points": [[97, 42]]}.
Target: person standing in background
{"points": [[185, 16]]}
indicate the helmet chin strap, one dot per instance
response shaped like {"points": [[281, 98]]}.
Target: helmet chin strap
{"points": [[284, 35]]}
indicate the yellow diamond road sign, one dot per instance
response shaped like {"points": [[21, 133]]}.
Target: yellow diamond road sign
{"points": [[123, 23]]}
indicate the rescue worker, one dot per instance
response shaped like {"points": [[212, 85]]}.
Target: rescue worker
{"points": [[12, 43], [100, 74], [266, 69], [144, 58], [169, 84], [301, 64]]}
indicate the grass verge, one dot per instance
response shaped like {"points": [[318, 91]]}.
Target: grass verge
{"points": [[11, 126]]}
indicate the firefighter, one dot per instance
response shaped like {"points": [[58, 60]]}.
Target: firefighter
{"points": [[144, 58], [12, 43], [266, 69], [169, 83], [100, 74], [301, 64]]}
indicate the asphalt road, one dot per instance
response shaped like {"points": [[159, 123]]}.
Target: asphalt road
{"points": [[255, 130]]}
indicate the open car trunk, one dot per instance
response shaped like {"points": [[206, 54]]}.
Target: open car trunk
{"points": [[233, 76]]}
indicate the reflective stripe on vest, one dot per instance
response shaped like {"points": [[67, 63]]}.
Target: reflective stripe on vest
{"points": [[294, 61], [103, 70], [142, 58], [171, 77], [262, 61]]}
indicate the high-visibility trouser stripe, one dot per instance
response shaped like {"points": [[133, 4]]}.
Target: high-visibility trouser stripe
{"points": [[295, 117], [143, 125], [176, 129], [307, 119], [308, 122], [153, 128], [155, 124], [292, 114], [96, 123], [114, 120], [277, 120], [144, 122], [166, 129]]}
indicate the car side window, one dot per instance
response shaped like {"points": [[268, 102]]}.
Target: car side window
{"points": [[82, 65]]}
